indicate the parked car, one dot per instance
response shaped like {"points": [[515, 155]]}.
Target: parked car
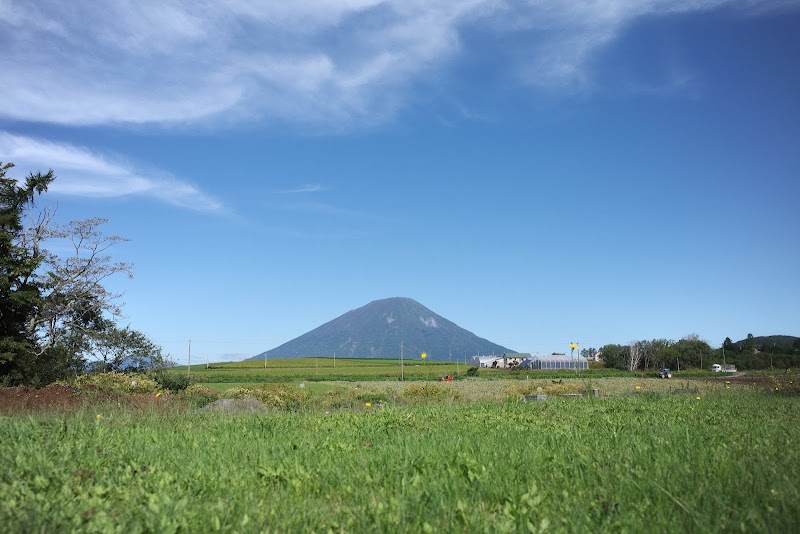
{"points": [[665, 373]]}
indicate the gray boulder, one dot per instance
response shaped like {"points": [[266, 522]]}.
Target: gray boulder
{"points": [[248, 404]]}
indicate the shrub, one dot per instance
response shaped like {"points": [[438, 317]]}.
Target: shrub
{"points": [[117, 382], [239, 393], [280, 396], [430, 392], [785, 383], [172, 382], [472, 371], [198, 396]]}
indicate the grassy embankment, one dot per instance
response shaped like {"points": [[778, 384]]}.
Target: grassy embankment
{"points": [[726, 461]]}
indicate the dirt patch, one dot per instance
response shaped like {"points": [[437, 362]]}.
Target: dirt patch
{"points": [[23, 399], [67, 399], [737, 378]]}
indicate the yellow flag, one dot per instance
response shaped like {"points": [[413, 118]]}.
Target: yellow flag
{"points": [[573, 345]]}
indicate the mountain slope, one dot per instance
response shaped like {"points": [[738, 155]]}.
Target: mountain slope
{"points": [[376, 330]]}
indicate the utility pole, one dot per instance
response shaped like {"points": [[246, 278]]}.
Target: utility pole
{"points": [[401, 360], [189, 367], [265, 359], [334, 360]]}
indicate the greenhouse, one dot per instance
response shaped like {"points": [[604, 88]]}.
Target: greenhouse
{"points": [[555, 361]]}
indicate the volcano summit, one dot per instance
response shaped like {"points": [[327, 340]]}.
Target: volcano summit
{"points": [[376, 330]]}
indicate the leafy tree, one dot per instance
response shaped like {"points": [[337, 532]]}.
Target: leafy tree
{"points": [[691, 351], [75, 302], [55, 310], [749, 343], [614, 356], [730, 346], [117, 349]]}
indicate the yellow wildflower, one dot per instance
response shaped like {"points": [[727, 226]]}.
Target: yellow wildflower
{"points": [[368, 404]]}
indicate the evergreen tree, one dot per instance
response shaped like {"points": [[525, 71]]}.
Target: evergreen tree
{"points": [[20, 292]]}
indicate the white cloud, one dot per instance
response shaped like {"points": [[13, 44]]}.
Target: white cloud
{"points": [[176, 62], [81, 172], [232, 357]]}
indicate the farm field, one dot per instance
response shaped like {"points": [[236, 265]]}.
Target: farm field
{"points": [[311, 369], [715, 457], [363, 369]]}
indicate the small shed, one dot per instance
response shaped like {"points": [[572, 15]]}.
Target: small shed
{"points": [[555, 361]]}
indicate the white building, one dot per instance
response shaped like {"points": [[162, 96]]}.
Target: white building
{"points": [[505, 361]]}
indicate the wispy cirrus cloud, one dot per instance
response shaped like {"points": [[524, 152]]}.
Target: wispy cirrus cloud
{"points": [[323, 208], [82, 172], [317, 62], [307, 188]]}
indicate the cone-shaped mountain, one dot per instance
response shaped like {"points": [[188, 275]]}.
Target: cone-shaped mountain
{"points": [[376, 330]]}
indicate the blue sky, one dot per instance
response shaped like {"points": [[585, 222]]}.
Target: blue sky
{"points": [[538, 173]]}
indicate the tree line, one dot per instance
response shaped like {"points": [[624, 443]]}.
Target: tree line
{"points": [[692, 352], [57, 318]]}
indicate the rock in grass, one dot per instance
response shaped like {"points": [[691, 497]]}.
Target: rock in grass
{"points": [[537, 397], [248, 404]]}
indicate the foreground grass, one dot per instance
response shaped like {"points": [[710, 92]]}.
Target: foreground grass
{"points": [[724, 462]]}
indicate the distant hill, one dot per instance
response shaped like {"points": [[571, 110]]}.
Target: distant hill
{"points": [[769, 341], [376, 330]]}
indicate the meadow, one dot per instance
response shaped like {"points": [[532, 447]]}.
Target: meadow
{"points": [[707, 458]]}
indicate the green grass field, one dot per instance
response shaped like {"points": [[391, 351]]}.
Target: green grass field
{"points": [[312, 369], [727, 461]]}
